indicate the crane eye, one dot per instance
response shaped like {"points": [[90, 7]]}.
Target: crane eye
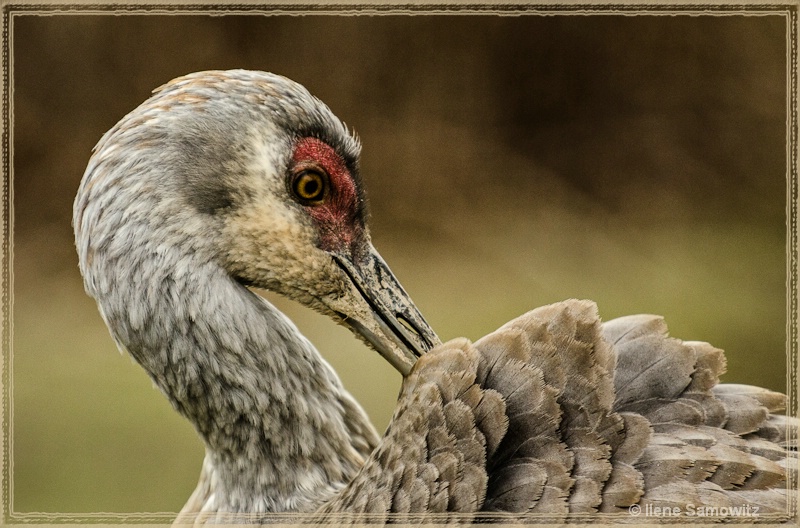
{"points": [[310, 186]]}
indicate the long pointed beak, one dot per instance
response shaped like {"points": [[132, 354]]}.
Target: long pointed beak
{"points": [[397, 329]]}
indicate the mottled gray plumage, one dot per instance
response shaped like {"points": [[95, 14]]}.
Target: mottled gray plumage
{"points": [[190, 199]]}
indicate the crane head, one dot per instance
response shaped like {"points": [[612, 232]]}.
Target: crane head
{"points": [[249, 172]]}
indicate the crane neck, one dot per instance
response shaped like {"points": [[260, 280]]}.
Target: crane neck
{"points": [[281, 433]]}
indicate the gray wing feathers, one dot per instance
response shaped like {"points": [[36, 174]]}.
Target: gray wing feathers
{"points": [[431, 463], [558, 416], [706, 449]]}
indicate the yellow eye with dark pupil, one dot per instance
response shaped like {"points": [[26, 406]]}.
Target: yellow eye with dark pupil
{"points": [[310, 186]]}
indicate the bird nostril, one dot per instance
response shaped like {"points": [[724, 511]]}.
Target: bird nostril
{"points": [[406, 323]]}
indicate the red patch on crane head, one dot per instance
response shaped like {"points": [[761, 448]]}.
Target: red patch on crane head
{"points": [[337, 216]]}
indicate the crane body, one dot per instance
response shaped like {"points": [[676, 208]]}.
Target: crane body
{"points": [[227, 180]]}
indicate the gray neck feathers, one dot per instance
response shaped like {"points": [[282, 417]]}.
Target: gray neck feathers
{"points": [[281, 432]]}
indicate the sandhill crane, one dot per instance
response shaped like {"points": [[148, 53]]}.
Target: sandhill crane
{"points": [[228, 179]]}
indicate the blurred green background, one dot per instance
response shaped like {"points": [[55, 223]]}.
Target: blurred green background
{"points": [[510, 162]]}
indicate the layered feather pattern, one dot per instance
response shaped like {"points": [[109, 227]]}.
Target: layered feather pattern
{"points": [[556, 417]]}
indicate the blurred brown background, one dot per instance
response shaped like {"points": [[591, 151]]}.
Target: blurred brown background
{"points": [[510, 161]]}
